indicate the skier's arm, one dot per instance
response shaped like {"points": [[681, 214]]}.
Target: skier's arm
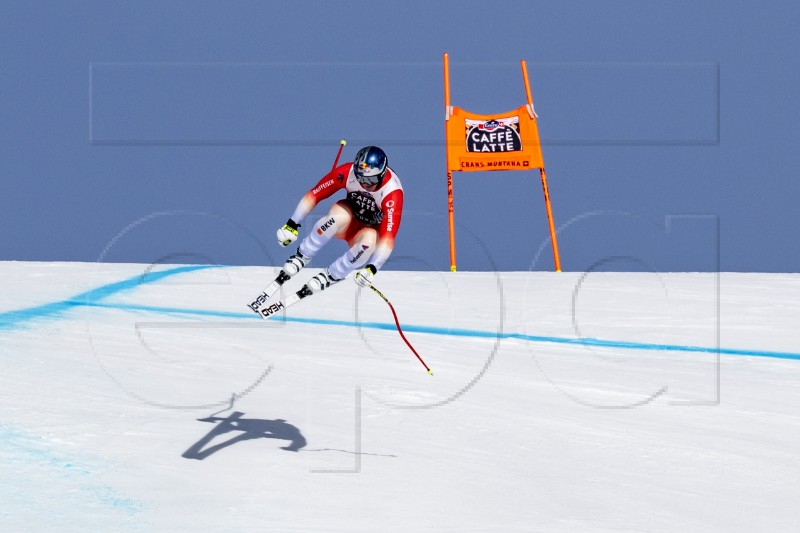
{"points": [[392, 208], [329, 184], [392, 213]]}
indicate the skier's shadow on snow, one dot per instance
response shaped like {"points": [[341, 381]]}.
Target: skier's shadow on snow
{"points": [[246, 429]]}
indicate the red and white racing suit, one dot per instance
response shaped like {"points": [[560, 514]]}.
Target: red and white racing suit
{"points": [[380, 210]]}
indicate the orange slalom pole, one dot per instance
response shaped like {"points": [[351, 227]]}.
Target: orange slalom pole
{"points": [[554, 242], [451, 220], [450, 209], [547, 204], [446, 84], [527, 83]]}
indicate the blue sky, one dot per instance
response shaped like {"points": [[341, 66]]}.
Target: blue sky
{"points": [[187, 131]]}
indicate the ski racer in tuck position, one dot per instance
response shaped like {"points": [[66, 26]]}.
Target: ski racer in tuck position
{"points": [[367, 219]]}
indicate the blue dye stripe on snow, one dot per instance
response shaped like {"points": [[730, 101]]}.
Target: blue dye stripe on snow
{"points": [[545, 339], [451, 332], [94, 298], [12, 319]]}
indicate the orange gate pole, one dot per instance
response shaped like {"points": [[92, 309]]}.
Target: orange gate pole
{"points": [[548, 206], [450, 210], [527, 83]]}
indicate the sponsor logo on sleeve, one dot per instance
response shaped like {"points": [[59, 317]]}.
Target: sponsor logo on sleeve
{"points": [[322, 186], [390, 215]]}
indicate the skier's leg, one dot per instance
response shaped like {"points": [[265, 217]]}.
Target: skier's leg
{"points": [[337, 220], [363, 244]]}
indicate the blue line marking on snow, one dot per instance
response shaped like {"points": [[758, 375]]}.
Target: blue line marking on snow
{"points": [[451, 332], [13, 319], [93, 298], [169, 310], [545, 339]]}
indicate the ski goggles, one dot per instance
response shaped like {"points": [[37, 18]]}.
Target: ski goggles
{"points": [[367, 174]]}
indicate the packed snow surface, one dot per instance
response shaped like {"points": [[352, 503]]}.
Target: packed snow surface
{"points": [[150, 398]]}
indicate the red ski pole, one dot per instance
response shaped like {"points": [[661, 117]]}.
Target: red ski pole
{"points": [[400, 331], [336, 161]]}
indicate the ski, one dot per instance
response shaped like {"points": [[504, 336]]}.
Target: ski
{"points": [[267, 311], [262, 306], [268, 292]]}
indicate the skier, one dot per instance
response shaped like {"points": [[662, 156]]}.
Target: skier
{"points": [[367, 220]]}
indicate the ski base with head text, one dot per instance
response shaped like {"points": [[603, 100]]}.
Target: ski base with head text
{"points": [[263, 305], [269, 292]]}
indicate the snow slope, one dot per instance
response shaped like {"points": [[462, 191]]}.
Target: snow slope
{"points": [[149, 398]]}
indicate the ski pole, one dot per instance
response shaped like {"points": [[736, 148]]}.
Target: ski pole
{"points": [[397, 322], [336, 161]]}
